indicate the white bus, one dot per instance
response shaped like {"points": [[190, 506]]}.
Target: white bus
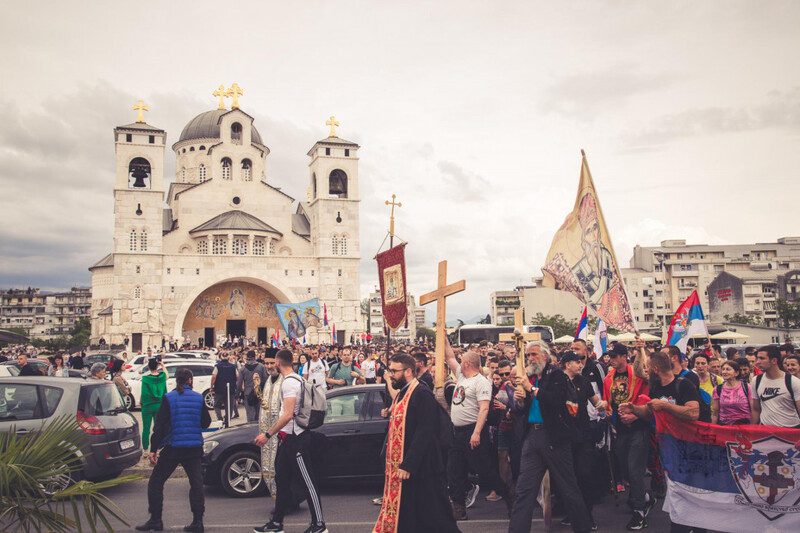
{"points": [[471, 333]]}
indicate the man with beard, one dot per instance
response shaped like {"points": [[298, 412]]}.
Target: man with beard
{"points": [[547, 444], [415, 488]]}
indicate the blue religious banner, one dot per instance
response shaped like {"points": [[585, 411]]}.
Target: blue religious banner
{"points": [[297, 318]]}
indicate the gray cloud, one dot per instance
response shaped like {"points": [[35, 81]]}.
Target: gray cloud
{"points": [[780, 109], [584, 94], [465, 186]]}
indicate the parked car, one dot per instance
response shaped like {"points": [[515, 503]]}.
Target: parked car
{"points": [[11, 368], [114, 443], [136, 363], [201, 370], [354, 432], [104, 358]]}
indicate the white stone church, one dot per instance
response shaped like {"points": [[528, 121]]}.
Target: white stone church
{"points": [[210, 253]]}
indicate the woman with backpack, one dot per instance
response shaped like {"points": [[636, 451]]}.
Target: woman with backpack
{"points": [[730, 404]]}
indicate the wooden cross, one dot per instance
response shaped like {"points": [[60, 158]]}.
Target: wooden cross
{"points": [[519, 338], [442, 291], [391, 216], [141, 108], [221, 94], [332, 123], [234, 92]]}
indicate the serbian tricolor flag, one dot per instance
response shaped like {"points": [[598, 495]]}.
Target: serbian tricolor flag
{"points": [[688, 321], [276, 339], [730, 478], [333, 333], [583, 326], [324, 314], [600, 339]]}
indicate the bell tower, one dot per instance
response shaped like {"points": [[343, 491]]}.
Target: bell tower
{"points": [[333, 215], [139, 186]]}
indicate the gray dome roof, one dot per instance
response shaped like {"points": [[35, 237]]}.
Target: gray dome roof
{"points": [[206, 126]]}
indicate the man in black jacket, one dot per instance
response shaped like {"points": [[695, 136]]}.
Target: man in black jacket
{"points": [[547, 445]]}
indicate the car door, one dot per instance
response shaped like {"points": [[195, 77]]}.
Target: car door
{"points": [[21, 407], [373, 433], [343, 425]]}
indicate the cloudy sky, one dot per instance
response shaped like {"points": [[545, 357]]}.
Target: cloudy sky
{"points": [[473, 113]]}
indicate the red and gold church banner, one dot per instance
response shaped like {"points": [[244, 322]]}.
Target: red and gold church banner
{"points": [[392, 277]]}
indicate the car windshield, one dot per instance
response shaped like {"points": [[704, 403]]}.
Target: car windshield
{"points": [[101, 399]]}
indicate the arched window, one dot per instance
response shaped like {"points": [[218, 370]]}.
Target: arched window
{"points": [[202, 246], [337, 183], [191, 149], [137, 292], [139, 173], [143, 241], [334, 245], [226, 168], [247, 170], [132, 242], [236, 133], [202, 173], [202, 147], [219, 246], [239, 245], [343, 245], [258, 246]]}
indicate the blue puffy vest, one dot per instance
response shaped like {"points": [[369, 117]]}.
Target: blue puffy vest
{"points": [[184, 410]]}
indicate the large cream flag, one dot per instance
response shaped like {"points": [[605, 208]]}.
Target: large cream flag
{"points": [[582, 261]]}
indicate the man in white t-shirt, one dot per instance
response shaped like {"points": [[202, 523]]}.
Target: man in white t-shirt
{"points": [[316, 369], [292, 461], [471, 449], [369, 369], [775, 400]]}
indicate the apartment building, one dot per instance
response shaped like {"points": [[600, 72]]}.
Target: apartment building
{"points": [[376, 323], [44, 314], [661, 277]]}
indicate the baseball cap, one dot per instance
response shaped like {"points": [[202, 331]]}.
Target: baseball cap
{"points": [[618, 350], [568, 356]]}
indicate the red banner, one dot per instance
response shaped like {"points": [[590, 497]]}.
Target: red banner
{"points": [[392, 278]]}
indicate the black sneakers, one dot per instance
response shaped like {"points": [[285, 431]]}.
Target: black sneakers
{"points": [[318, 528], [648, 506], [269, 527], [154, 524], [567, 522], [638, 521]]}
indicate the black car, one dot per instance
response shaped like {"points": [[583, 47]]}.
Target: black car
{"points": [[351, 441]]}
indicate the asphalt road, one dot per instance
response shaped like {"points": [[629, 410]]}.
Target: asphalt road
{"points": [[346, 509]]}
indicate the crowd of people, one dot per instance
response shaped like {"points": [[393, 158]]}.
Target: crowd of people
{"points": [[577, 424]]}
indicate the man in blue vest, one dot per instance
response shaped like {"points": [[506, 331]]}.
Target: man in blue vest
{"points": [[178, 435]]}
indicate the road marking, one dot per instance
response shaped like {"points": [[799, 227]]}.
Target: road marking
{"points": [[369, 523]]}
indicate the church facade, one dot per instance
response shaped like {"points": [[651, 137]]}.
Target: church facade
{"points": [[210, 253]]}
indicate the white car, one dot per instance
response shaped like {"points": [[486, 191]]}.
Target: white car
{"points": [[134, 365], [201, 370]]}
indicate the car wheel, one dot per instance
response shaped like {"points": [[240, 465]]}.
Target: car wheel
{"points": [[240, 475], [130, 402], [208, 399]]}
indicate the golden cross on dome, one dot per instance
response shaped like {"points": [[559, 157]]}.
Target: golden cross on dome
{"points": [[234, 92], [141, 108], [332, 122], [220, 93]]}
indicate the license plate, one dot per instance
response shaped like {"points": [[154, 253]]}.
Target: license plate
{"points": [[126, 444]]}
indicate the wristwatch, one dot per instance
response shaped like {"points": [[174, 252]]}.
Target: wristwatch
{"points": [[266, 434]]}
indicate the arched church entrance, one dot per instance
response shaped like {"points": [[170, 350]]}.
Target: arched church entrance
{"points": [[232, 308]]}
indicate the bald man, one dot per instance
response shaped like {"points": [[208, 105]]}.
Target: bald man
{"points": [[471, 450]]}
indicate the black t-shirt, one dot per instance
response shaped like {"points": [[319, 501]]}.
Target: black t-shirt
{"points": [[427, 379], [28, 370], [594, 374], [678, 392]]}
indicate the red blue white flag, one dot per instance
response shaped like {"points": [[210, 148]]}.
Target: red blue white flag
{"points": [[730, 478], [688, 321], [583, 326]]}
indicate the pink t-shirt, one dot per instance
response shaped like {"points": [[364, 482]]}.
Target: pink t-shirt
{"points": [[734, 404]]}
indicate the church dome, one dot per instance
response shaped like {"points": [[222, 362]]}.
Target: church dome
{"points": [[206, 126]]}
